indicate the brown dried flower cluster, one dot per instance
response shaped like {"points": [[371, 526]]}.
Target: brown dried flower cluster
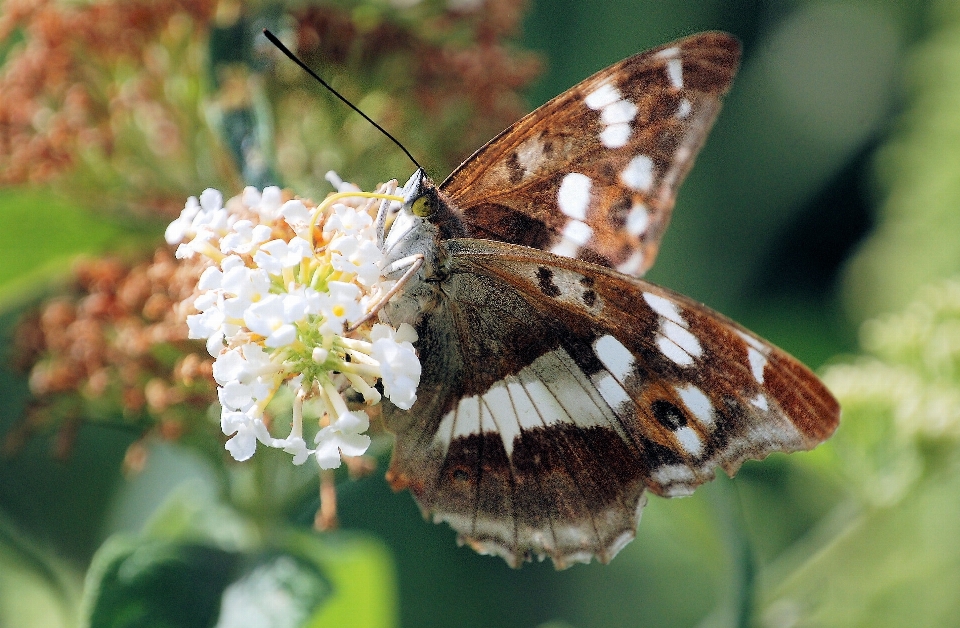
{"points": [[61, 80], [458, 65], [117, 351]]}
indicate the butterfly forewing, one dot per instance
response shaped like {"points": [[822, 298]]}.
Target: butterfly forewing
{"points": [[593, 173], [564, 390]]}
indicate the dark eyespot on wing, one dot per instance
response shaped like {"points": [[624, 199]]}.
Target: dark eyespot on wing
{"points": [[669, 415]]}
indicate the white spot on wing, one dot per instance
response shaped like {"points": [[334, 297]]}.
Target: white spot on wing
{"points": [[697, 403], [617, 358], [574, 195], [753, 342], [682, 338], [467, 419], [618, 112], [550, 409], [615, 135], [497, 400], [574, 235], [613, 393], [638, 175], [664, 307], [677, 479], [604, 95], [578, 232], [761, 402], [675, 72], [684, 109], [572, 390], [530, 155], [487, 423], [689, 440], [673, 352], [633, 264], [551, 390], [638, 219], [666, 53], [757, 363], [527, 415], [675, 340]]}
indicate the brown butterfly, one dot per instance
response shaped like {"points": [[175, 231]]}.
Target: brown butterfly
{"points": [[557, 388]]}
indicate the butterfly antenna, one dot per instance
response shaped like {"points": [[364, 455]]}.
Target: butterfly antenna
{"points": [[276, 42]]}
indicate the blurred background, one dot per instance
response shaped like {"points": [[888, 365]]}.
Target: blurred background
{"points": [[823, 213]]}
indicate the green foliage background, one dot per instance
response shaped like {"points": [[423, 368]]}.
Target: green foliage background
{"points": [[828, 195]]}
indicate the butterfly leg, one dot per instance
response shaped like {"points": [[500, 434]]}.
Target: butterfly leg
{"points": [[415, 262]]}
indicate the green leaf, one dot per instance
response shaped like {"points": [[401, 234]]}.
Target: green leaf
{"points": [[36, 588], [279, 591], [310, 580], [42, 233], [895, 566], [156, 583], [363, 577]]}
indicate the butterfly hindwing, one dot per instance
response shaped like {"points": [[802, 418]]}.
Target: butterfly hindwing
{"points": [[555, 392], [593, 173]]}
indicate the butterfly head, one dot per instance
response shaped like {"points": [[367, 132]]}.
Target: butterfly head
{"points": [[424, 219], [421, 196]]}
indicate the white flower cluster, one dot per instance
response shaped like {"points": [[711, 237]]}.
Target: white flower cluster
{"points": [[284, 282]]}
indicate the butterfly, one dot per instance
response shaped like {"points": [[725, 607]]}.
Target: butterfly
{"points": [[557, 387]]}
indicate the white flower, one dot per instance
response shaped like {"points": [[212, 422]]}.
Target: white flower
{"points": [[296, 214], [210, 279], [270, 201], [209, 325], [297, 447], [341, 186], [250, 197], [399, 366], [276, 255], [269, 318], [243, 364], [244, 237], [360, 257], [274, 313], [340, 304], [180, 228], [347, 221], [343, 435], [246, 285], [200, 222], [235, 396], [211, 200], [246, 429]]}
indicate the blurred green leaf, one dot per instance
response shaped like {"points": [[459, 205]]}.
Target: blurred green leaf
{"points": [[282, 591], [363, 577], [49, 232], [199, 560], [36, 588], [156, 583], [916, 240], [896, 566]]}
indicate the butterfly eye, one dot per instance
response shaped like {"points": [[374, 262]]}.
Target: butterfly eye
{"points": [[425, 206]]}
